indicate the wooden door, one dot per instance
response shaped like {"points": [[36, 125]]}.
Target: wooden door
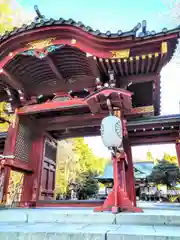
{"points": [[48, 171]]}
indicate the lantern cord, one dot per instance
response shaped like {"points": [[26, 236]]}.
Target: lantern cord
{"points": [[109, 105]]}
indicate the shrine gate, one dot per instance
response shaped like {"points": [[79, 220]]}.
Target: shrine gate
{"points": [[57, 76]]}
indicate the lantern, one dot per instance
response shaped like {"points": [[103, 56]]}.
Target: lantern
{"points": [[111, 132]]}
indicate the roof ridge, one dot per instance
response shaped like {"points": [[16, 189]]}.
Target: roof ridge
{"points": [[42, 21]]}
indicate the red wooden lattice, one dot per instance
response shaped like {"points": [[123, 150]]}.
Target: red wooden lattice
{"points": [[23, 142]]}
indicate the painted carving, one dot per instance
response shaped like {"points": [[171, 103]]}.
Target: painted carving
{"points": [[146, 109], [41, 53], [40, 44]]}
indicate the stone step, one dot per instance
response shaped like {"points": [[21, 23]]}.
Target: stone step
{"points": [[150, 217], [159, 205], [55, 231], [87, 216]]}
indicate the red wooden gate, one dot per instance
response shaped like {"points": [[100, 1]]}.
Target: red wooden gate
{"points": [[25, 143]]}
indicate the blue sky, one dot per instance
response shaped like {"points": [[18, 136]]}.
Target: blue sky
{"points": [[104, 14], [114, 15]]}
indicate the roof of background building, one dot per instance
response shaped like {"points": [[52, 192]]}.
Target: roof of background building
{"points": [[141, 170]]}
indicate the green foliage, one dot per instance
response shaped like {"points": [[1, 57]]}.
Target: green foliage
{"points": [[170, 159], [165, 172], [67, 166], [87, 185], [149, 156], [167, 157], [77, 164], [87, 160], [6, 14]]}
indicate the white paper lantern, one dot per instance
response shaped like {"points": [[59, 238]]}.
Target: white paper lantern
{"points": [[111, 131]]}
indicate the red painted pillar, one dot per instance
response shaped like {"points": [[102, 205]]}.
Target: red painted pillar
{"points": [[130, 174], [32, 181], [9, 149], [6, 171], [130, 185], [178, 151]]}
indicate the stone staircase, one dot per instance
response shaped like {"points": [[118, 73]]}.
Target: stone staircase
{"points": [[84, 224]]}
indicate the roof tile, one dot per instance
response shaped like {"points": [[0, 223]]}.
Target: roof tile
{"points": [[41, 21]]}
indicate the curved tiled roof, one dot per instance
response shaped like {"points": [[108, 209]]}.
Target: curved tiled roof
{"points": [[141, 170], [41, 21]]}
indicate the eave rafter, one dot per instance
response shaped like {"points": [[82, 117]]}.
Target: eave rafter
{"points": [[54, 69], [94, 66], [11, 81]]}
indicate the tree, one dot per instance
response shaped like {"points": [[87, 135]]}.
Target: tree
{"points": [[165, 173], [77, 166], [87, 185], [12, 15], [170, 159], [149, 156], [87, 160], [67, 166]]}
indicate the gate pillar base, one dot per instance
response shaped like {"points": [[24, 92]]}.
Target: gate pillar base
{"points": [[123, 203]]}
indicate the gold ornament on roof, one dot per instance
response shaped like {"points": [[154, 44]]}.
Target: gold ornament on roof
{"points": [[164, 47], [41, 44], [120, 53]]}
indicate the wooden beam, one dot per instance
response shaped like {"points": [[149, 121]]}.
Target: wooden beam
{"points": [[156, 58], [149, 63], [12, 81], [102, 66], [19, 164], [73, 125], [137, 65], [114, 67], [155, 140], [150, 126], [94, 66], [54, 69], [152, 133], [78, 134], [52, 106], [156, 94], [143, 60], [119, 64], [131, 63], [76, 118], [126, 66]]}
